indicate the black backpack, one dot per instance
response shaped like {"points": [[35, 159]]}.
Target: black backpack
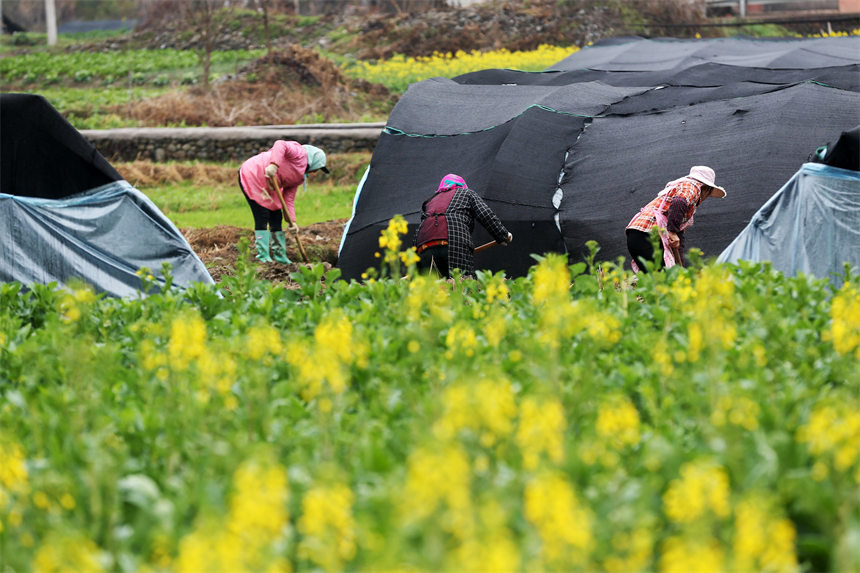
{"points": [[434, 224]]}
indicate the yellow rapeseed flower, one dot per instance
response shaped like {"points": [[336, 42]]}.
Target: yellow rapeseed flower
{"points": [[495, 328], [631, 551], [497, 289], [551, 280], [845, 321], [187, 340], [540, 431], [485, 407], [461, 339], [832, 434], [13, 468], [399, 71], [682, 554], [493, 548], [328, 527], [252, 533], [562, 520], [438, 477], [325, 362], [618, 421], [702, 488], [262, 340], [389, 238], [60, 553], [763, 539]]}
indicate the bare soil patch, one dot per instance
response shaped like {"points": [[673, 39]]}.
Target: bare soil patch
{"points": [[218, 248]]}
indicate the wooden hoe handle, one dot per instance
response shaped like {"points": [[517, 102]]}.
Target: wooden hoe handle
{"points": [[485, 246], [289, 220]]}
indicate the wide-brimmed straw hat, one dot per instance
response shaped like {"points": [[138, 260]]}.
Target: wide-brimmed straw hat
{"points": [[706, 175]]}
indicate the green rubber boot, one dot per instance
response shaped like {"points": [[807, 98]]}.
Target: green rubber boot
{"points": [[279, 247], [261, 241]]}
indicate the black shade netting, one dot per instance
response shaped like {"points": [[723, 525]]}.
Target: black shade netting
{"points": [[43, 155], [755, 144], [514, 167]]}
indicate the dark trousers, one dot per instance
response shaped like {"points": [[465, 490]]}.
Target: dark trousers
{"points": [[641, 249], [264, 219], [434, 257]]}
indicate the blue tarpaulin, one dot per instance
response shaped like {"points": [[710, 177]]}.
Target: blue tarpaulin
{"points": [[810, 226], [67, 215], [103, 236]]}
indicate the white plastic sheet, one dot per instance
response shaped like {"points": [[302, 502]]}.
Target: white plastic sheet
{"points": [[103, 237], [810, 226]]}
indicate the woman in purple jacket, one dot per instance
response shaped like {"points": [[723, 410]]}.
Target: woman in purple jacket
{"points": [[444, 237]]}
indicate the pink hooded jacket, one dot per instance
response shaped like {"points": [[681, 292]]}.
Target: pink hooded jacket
{"points": [[292, 161]]}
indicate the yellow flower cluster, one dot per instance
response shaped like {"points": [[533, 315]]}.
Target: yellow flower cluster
{"points": [[496, 289], [389, 238], [541, 430], [495, 328], [187, 341], [14, 480], [438, 478], [328, 527], [264, 341], [486, 407], [252, 533], [328, 358], [186, 348], [632, 551], [833, 432], [67, 552], [428, 294], [494, 550], [762, 541], [845, 321], [710, 304], [618, 421], [72, 301], [563, 522], [400, 71], [703, 487], [551, 281], [684, 553], [602, 327], [736, 410], [13, 469], [461, 339], [832, 34]]}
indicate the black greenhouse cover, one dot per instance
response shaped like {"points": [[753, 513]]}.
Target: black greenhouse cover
{"points": [[568, 155]]}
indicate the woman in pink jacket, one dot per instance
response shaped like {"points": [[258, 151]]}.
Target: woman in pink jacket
{"points": [[288, 163]]}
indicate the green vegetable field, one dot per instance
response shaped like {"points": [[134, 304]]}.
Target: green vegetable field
{"points": [[706, 419]]}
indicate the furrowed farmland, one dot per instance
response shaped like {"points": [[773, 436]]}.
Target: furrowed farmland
{"points": [[707, 419]]}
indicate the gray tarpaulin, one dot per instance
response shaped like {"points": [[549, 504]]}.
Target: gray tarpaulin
{"points": [[103, 236], [811, 225]]}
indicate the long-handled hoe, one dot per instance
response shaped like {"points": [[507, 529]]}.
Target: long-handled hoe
{"points": [[289, 220], [485, 246]]}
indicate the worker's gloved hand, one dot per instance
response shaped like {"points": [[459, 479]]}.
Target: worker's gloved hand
{"points": [[674, 240], [510, 238], [271, 170], [294, 229]]}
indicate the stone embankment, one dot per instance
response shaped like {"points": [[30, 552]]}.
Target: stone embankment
{"points": [[225, 144]]}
